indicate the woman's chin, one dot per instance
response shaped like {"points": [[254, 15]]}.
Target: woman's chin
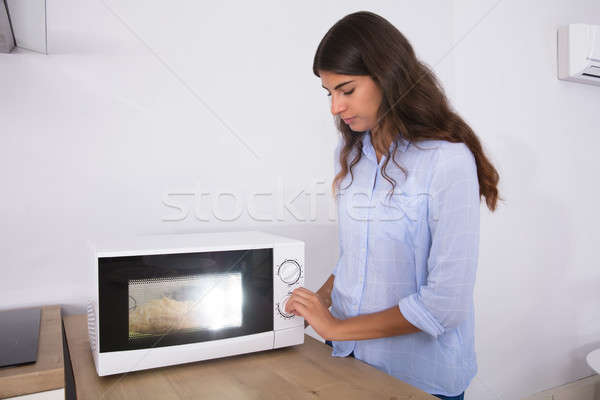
{"points": [[358, 128]]}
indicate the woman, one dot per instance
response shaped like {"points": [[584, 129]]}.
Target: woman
{"points": [[410, 175]]}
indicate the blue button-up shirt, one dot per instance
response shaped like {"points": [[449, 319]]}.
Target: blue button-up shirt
{"points": [[416, 250]]}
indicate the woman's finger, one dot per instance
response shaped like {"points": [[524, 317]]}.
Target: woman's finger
{"points": [[306, 294], [300, 310], [293, 300]]}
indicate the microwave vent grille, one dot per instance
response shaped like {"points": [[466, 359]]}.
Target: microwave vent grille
{"points": [[91, 314]]}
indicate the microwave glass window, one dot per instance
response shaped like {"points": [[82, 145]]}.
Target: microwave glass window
{"points": [[171, 299], [198, 302]]}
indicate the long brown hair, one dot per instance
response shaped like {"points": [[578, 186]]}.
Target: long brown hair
{"points": [[414, 106]]}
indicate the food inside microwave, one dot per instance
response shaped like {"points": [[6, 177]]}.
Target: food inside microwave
{"points": [[202, 302]]}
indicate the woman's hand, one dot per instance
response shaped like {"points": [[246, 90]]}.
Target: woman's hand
{"points": [[312, 308]]}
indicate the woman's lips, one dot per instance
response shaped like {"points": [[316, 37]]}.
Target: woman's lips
{"points": [[349, 120]]}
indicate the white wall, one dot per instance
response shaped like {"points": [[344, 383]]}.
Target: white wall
{"points": [[137, 106], [538, 283]]}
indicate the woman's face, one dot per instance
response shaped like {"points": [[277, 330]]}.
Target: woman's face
{"points": [[355, 98]]}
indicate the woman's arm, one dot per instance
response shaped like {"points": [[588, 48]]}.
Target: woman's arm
{"points": [[324, 294], [381, 324], [325, 291], [445, 300], [385, 323]]}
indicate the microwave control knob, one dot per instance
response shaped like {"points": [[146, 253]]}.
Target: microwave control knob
{"points": [[290, 271], [281, 307]]}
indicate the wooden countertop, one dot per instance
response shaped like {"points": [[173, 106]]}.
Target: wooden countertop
{"points": [[47, 373], [306, 371]]}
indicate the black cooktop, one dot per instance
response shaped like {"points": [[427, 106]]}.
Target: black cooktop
{"points": [[19, 334]]}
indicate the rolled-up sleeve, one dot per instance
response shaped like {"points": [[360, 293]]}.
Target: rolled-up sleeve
{"points": [[446, 298]]}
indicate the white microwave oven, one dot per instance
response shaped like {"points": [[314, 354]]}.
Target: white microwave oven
{"points": [[169, 299]]}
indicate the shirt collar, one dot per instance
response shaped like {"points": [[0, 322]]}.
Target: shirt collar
{"points": [[369, 150]]}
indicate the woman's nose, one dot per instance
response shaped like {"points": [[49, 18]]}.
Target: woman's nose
{"points": [[337, 105]]}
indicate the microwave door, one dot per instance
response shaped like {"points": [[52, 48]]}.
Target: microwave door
{"points": [[171, 299]]}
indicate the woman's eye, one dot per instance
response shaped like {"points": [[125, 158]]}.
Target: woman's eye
{"points": [[345, 93]]}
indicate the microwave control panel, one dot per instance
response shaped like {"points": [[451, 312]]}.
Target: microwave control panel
{"points": [[288, 274]]}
